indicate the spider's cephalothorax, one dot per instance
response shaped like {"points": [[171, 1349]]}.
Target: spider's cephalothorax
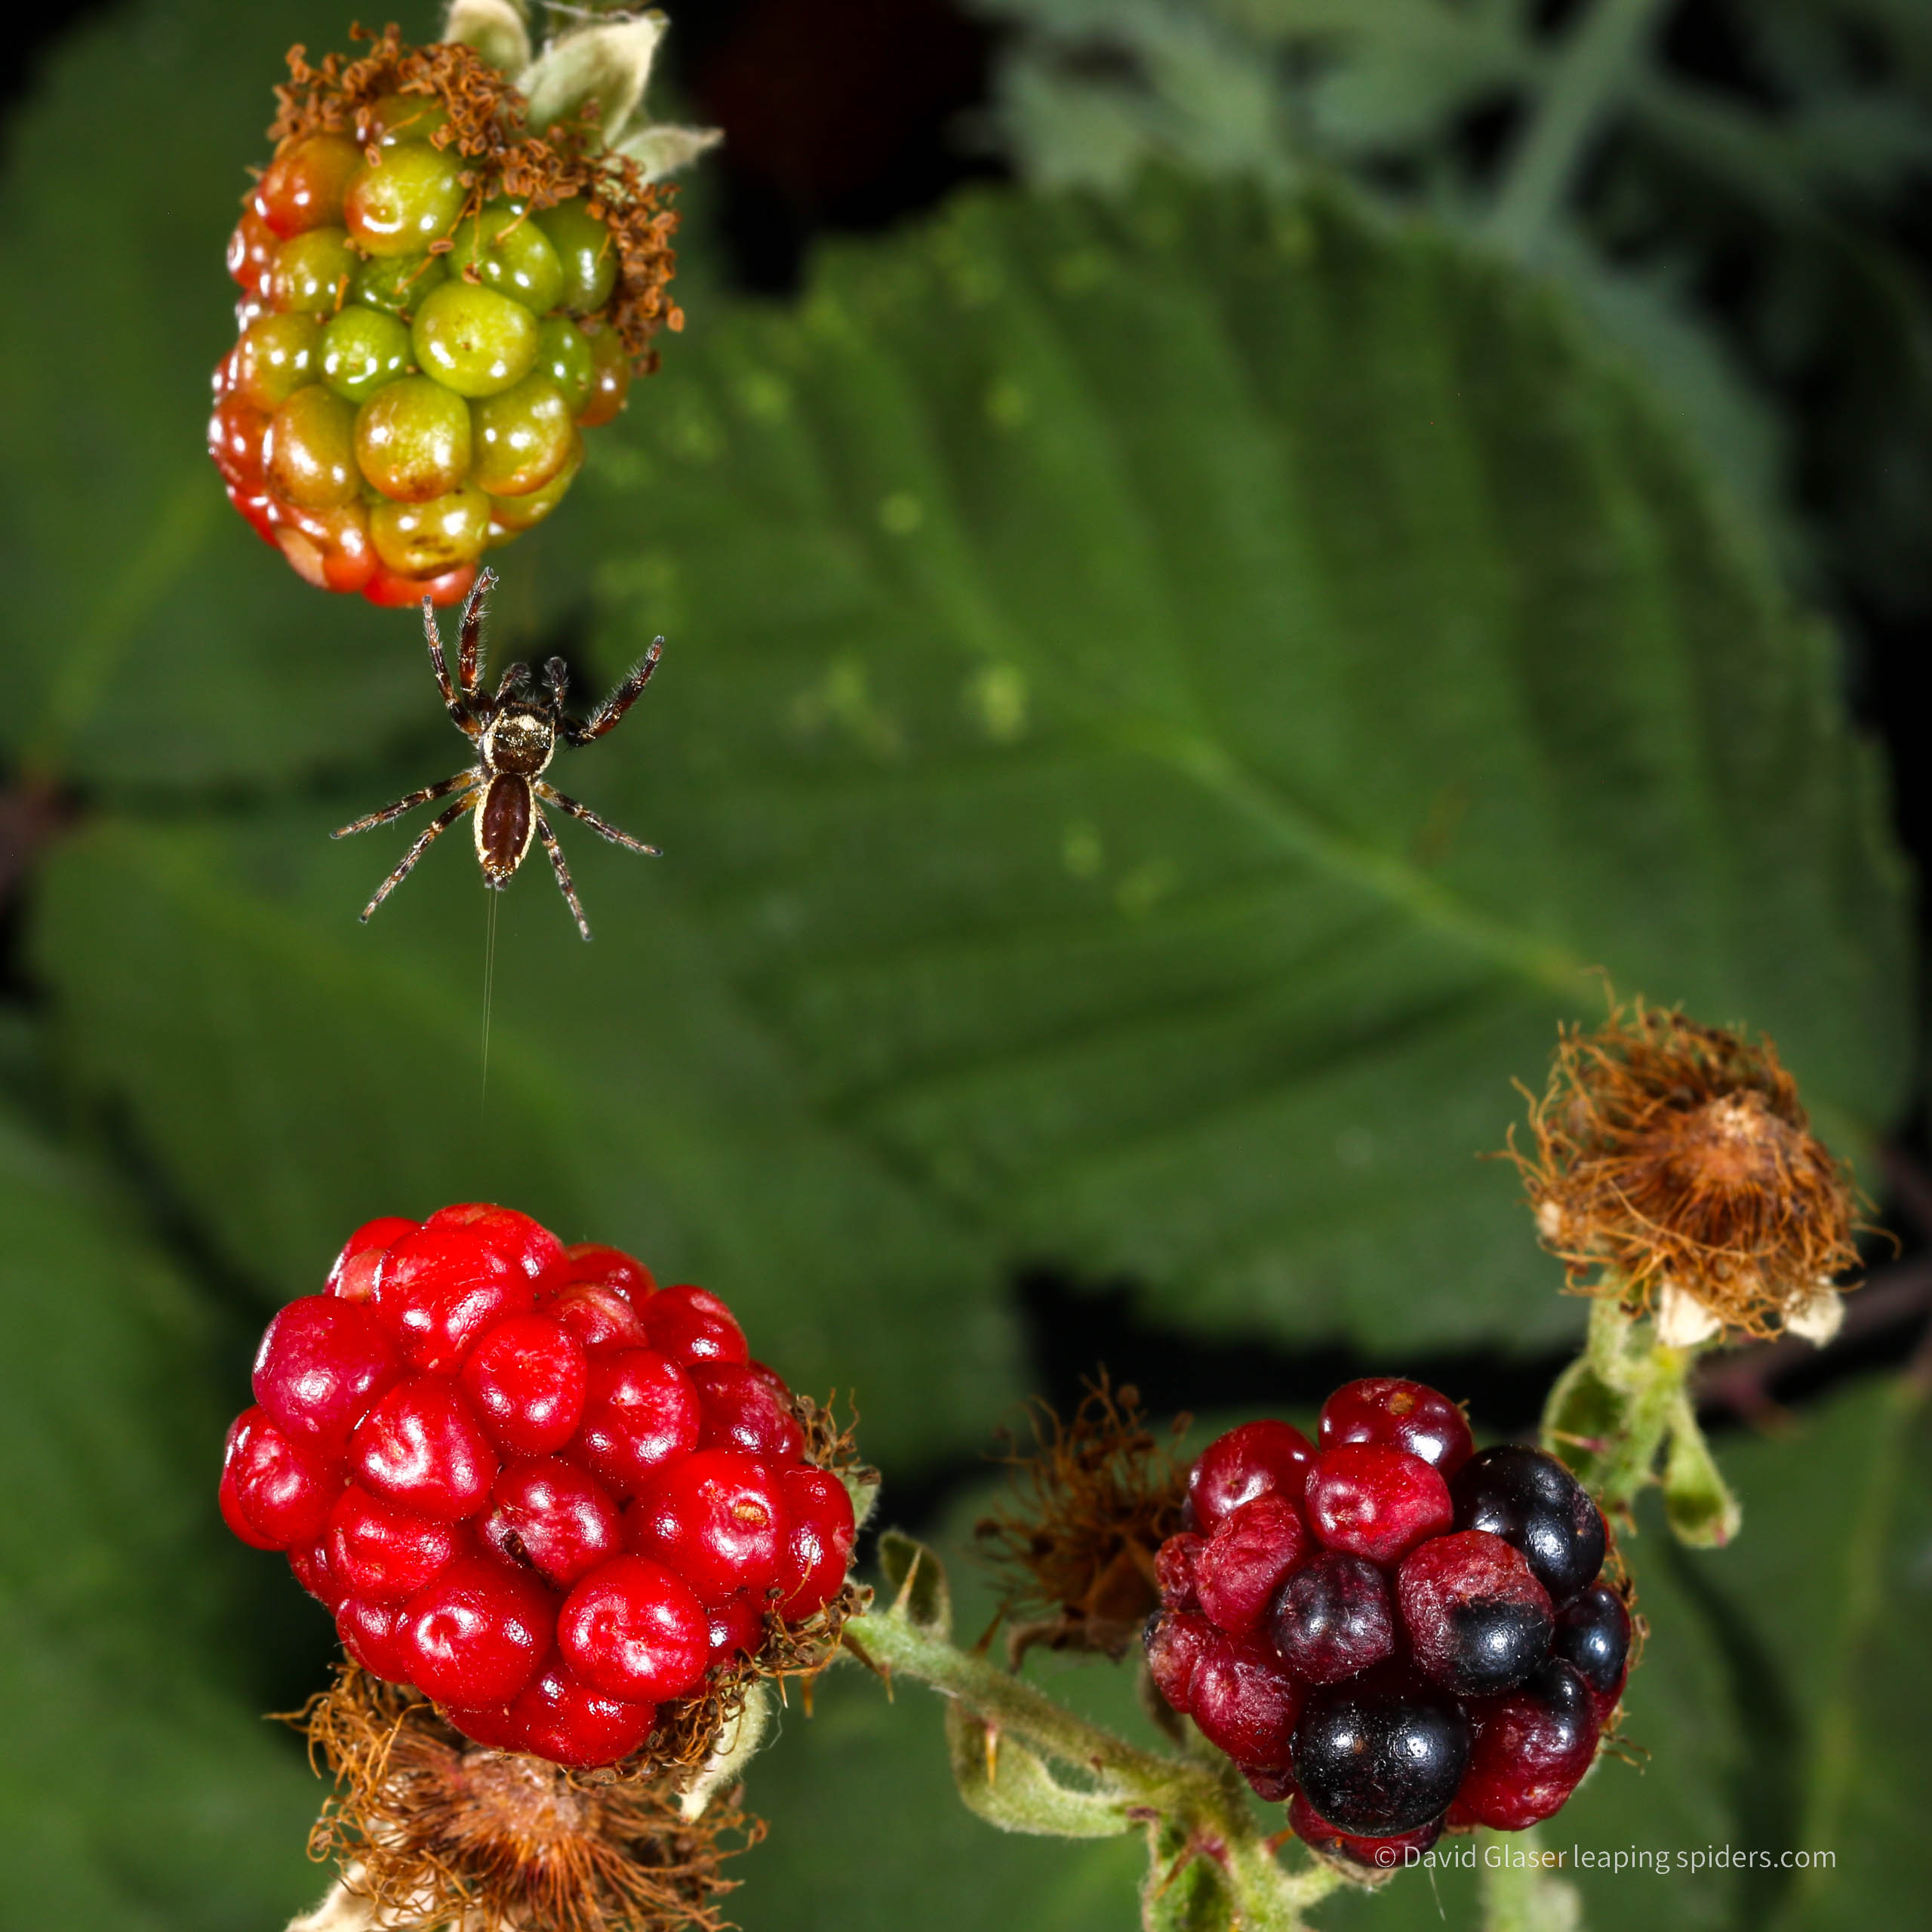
{"points": [[516, 736]]}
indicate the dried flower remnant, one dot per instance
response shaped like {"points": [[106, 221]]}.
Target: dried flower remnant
{"points": [[434, 1830], [1089, 1505], [1675, 1165]]}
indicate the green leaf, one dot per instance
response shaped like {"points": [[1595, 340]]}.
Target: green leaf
{"points": [[150, 639], [1004, 1783], [293, 1073], [139, 1787], [916, 1579], [1217, 679]]}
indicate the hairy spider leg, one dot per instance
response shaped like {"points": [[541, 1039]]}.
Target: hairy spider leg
{"points": [[469, 649], [435, 829], [562, 870], [620, 701], [514, 675], [602, 826], [456, 705], [441, 789]]}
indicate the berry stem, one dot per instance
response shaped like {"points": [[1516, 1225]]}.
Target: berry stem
{"points": [[1520, 1893], [1205, 1807], [1623, 1407]]}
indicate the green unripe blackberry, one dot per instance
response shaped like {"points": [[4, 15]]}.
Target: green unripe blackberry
{"points": [[502, 248], [431, 313], [414, 440], [473, 340], [425, 539], [409, 196], [311, 273], [361, 350], [587, 252]]}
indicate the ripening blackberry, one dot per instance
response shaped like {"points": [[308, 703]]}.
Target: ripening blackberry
{"points": [[1388, 1630], [561, 1502], [438, 300]]}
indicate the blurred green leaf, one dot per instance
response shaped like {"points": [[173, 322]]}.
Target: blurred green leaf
{"points": [[149, 638], [139, 1787], [1174, 704], [294, 1074]]}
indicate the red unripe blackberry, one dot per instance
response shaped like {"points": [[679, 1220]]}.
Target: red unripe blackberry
{"points": [[303, 186], [463, 1271], [820, 1534], [421, 1447], [640, 1413], [332, 547], [734, 1626], [1380, 1754], [552, 1515], [527, 1378], [1384, 1854], [477, 1633], [1334, 1618], [251, 248], [691, 1326], [741, 1410], [598, 1316], [1530, 1500], [372, 1633], [1252, 1551], [488, 1724], [1533, 1746], [633, 1629], [1174, 1564], [1479, 1622], [322, 1361], [717, 1518], [1376, 1502], [395, 592], [1257, 1459], [1593, 1635], [610, 375], [1244, 1703], [1176, 1641], [229, 1499], [353, 1276], [1271, 1787], [610, 1268], [236, 432], [311, 1569], [281, 1492], [558, 1716], [382, 1552], [1397, 1414]]}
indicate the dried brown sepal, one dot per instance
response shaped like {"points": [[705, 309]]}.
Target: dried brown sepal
{"points": [[488, 127], [1089, 1505], [433, 1829], [1673, 1155]]}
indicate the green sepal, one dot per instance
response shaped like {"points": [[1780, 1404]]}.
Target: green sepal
{"points": [[1185, 1890], [917, 1579], [497, 29], [1003, 1782], [1697, 1501]]}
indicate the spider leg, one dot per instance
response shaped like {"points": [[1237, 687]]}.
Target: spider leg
{"points": [[456, 705], [620, 701], [441, 789], [563, 871], [514, 676], [601, 826], [469, 652], [556, 686], [435, 829]]}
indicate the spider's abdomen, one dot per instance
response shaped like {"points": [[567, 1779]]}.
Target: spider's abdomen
{"points": [[503, 822]]}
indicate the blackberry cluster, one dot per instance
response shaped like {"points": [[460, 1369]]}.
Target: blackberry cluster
{"points": [[1393, 1632], [434, 306], [549, 1494]]}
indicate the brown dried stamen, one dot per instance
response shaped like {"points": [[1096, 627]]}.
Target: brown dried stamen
{"points": [[1670, 1154], [1090, 1506]]}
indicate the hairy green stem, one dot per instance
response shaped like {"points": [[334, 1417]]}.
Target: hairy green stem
{"points": [[1204, 1805], [1593, 62]]}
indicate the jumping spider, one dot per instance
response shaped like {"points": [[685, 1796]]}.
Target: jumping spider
{"points": [[515, 738]]}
